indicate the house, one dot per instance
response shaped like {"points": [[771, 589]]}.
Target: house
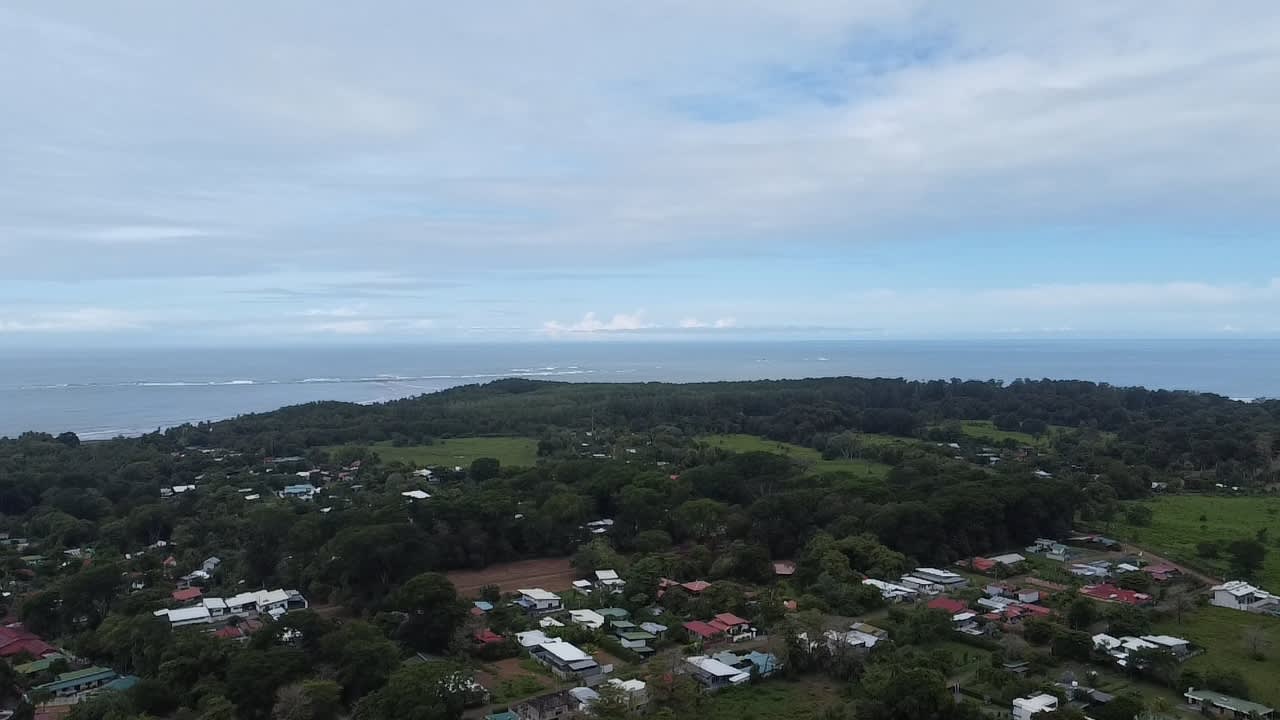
{"points": [[583, 586], [16, 640], [892, 592], [920, 586], [211, 564], [1240, 595], [784, 568], [635, 640], [760, 663], [589, 619], [187, 594], [568, 661], [78, 682], [560, 704], [1175, 645], [483, 606], [585, 697], [1024, 708], [855, 639], [1009, 559], [705, 632], [1162, 572], [735, 628], [301, 491], [182, 617], [532, 638], [549, 622], [191, 578], [416, 495], [1218, 704], [714, 675], [608, 580], [944, 578], [1111, 593], [1120, 647], [1091, 570], [614, 614], [1051, 549], [636, 692], [654, 628], [537, 601], [696, 587], [949, 605], [240, 632], [487, 637]]}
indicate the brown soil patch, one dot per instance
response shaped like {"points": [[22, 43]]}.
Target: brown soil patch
{"points": [[554, 574]]}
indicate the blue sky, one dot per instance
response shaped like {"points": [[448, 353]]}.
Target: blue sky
{"points": [[402, 171]]}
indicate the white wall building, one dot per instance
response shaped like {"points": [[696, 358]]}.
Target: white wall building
{"points": [[1024, 708]]}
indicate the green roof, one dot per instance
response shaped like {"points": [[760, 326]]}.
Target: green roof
{"points": [[638, 635], [1226, 701], [505, 715], [36, 666], [71, 679], [614, 613]]}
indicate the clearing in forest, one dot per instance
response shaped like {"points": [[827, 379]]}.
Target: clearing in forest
{"points": [[554, 574], [510, 451], [808, 456]]}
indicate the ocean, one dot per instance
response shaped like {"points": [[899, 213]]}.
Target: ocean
{"points": [[103, 393]]}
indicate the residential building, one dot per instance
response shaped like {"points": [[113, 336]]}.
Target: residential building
{"points": [[949, 605], [554, 705], [1111, 593], [705, 632], [854, 639], [186, 594], [1225, 705], [301, 491], [761, 664], [736, 629], [1240, 595], [1009, 559], [532, 638], [211, 564], [714, 675], [635, 691], [587, 618], [182, 617], [608, 581], [568, 661], [892, 592], [78, 682], [944, 578], [1024, 708], [538, 601], [784, 568]]}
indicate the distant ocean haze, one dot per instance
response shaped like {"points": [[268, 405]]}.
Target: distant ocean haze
{"points": [[104, 393]]}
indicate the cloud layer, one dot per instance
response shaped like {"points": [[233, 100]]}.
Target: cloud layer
{"points": [[214, 172]]}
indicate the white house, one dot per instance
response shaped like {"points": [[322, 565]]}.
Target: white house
{"points": [[416, 494], [713, 674], [945, 578], [1009, 559], [182, 617], [589, 619], [609, 580], [1024, 708], [1240, 595], [532, 638], [919, 585], [892, 592], [537, 600]]}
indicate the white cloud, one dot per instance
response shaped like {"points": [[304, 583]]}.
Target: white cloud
{"points": [[144, 233], [622, 322], [693, 323], [79, 320], [342, 327]]}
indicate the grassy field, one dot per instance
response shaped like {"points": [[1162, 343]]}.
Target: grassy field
{"points": [[510, 451], [809, 456], [985, 430], [771, 700], [1176, 529], [1221, 632]]}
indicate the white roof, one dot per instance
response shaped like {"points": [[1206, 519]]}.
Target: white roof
{"points": [[946, 574], [271, 597], [538, 594], [586, 617], [215, 603], [532, 638], [416, 494], [1166, 640], [199, 612], [1240, 588], [605, 575], [565, 651], [629, 686], [582, 583], [886, 586], [550, 622], [1009, 559], [1037, 703], [242, 599], [584, 695], [711, 666]]}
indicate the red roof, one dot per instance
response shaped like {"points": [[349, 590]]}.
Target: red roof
{"points": [[696, 586], [170, 561], [951, 605], [16, 639], [1162, 570], [784, 567], [487, 637], [790, 605], [1038, 610], [234, 632], [1111, 593], [730, 620], [188, 594], [982, 564], [701, 629]]}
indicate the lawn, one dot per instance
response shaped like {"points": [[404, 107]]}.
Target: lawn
{"points": [[1221, 632], [1176, 529], [510, 451], [771, 700], [808, 456], [985, 430]]}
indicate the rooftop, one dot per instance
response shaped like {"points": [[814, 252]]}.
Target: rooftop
{"points": [[1226, 701]]}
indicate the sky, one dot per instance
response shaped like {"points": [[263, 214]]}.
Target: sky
{"points": [[292, 172]]}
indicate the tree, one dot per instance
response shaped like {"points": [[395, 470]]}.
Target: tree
{"points": [[257, 674], [1128, 620], [1178, 602], [1256, 642], [310, 700], [1081, 613], [362, 656], [597, 555], [432, 609], [1247, 555], [484, 468], [1123, 707], [428, 691], [1073, 645]]}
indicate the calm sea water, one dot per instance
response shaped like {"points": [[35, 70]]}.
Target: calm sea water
{"points": [[103, 393]]}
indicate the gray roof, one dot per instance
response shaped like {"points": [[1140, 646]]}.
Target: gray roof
{"points": [[1226, 701]]}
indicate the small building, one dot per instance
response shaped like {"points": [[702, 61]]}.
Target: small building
{"points": [[551, 706], [1024, 708], [567, 661], [300, 491], [538, 601], [587, 618], [696, 587], [187, 594], [211, 564], [714, 675], [1225, 705], [735, 628], [1111, 593], [182, 617], [78, 682], [705, 632], [892, 592], [608, 581], [1009, 559], [948, 605], [784, 568], [1240, 595], [944, 578]]}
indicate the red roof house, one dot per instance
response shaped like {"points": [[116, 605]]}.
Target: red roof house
{"points": [[487, 637], [784, 568], [1162, 572], [728, 621], [951, 605], [16, 639], [187, 595], [696, 586], [1111, 593], [982, 564], [705, 631]]}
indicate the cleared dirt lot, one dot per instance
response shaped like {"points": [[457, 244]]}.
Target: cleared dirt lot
{"points": [[554, 574]]}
